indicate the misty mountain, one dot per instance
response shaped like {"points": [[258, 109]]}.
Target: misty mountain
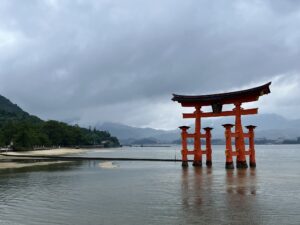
{"points": [[269, 126], [131, 135]]}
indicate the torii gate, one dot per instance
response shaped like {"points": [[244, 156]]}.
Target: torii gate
{"points": [[216, 101]]}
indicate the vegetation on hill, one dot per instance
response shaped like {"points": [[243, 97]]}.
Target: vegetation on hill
{"points": [[26, 132]]}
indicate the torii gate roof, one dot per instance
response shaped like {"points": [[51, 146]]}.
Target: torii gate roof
{"points": [[248, 95]]}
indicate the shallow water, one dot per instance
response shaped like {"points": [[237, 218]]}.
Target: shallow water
{"points": [[155, 192]]}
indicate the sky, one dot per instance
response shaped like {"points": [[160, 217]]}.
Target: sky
{"points": [[92, 61]]}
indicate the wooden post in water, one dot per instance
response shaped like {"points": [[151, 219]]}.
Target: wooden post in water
{"points": [[197, 139], [184, 150], [251, 146], [228, 151], [208, 146]]}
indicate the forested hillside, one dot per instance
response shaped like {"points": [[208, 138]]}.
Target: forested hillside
{"points": [[25, 131]]}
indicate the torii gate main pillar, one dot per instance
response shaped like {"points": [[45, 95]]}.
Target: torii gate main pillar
{"points": [[239, 138]]}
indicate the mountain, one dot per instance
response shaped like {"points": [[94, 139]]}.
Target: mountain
{"points": [[135, 135], [7, 106], [269, 126], [23, 131], [12, 112]]}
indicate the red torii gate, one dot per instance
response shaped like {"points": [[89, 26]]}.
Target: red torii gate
{"points": [[216, 101]]}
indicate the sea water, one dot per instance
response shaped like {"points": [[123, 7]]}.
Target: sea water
{"points": [[155, 192]]}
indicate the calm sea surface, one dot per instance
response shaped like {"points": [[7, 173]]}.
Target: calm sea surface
{"points": [[155, 192]]}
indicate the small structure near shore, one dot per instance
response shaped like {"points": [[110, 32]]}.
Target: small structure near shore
{"points": [[216, 101]]}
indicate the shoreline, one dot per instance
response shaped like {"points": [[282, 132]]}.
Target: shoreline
{"points": [[6, 161], [48, 152]]}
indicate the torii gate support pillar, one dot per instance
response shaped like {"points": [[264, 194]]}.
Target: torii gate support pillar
{"points": [[184, 150], [228, 151], [251, 146], [208, 146]]}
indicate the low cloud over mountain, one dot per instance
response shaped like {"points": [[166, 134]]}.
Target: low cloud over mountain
{"points": [[270, 126]]}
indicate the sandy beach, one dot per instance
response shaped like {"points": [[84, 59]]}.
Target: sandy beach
{"points": [[5, 157], [51, 152]]}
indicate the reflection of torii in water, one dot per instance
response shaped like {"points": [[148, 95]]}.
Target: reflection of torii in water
{"points": [[216, 101]]}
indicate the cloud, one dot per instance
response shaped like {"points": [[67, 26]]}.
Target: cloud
{"points": [[121, 60], [284, 97]]}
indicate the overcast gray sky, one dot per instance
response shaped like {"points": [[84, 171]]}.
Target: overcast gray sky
{"points": [[91, 61]]}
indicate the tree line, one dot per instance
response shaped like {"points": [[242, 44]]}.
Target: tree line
{"points": [[27, 132]]}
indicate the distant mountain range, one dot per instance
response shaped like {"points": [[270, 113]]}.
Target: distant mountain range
{"points": [[136, 135], [269, 126]]}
